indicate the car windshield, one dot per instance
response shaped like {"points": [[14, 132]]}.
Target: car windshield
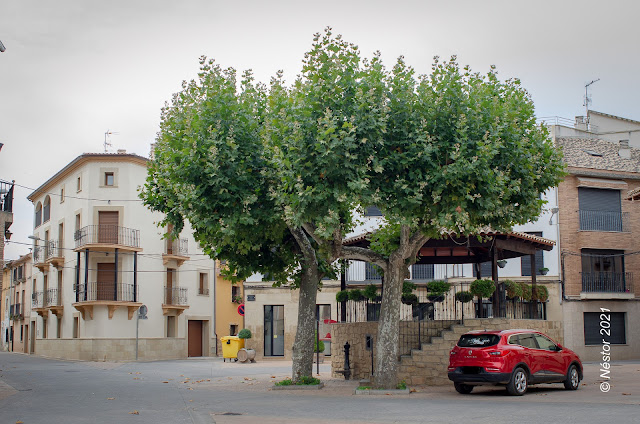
{"points": [[478, 340]]}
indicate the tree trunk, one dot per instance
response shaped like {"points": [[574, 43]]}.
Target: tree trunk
{"points": [[305, 335], [386, 370]]}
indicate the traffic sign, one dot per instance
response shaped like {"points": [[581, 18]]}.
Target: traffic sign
{"points": [[241, 309]]}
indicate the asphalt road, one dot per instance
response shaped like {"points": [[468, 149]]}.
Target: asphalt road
{"points": [[38, 390]]}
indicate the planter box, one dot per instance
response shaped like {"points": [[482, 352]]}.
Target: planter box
{"points": [[299, 387]]}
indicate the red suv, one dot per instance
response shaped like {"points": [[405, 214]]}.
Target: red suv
{"points": [[515, 358]]}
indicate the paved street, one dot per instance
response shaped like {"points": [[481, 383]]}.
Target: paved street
{"points": [[37, 390]]}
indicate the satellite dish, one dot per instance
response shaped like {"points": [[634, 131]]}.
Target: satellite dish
{"points": [[142, 312]]}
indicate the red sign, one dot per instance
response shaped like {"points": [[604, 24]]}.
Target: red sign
{"points": [[241, 309]]}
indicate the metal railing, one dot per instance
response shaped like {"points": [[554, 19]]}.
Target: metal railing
{"points": [[6, 196], [604, 221], [37, 299], [94, 291], [607, 282], [53, 250], [427, 317], [107, 234], [175, 296], [38, 254], [203, 291], [52, 297], [178, 247]]}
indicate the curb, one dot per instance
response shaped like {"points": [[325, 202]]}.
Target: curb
{"points": [[373, 392], [299, 387]]}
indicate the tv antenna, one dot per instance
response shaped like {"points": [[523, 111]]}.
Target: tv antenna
{"points": [[108, 143], [587, 98]]}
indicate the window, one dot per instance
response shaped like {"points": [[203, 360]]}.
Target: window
{"points": [[59, 328], [372, 211], [79, 184], [525, 261], [108, 179], [38, 215], [62, 195], [527, 340], [544, 343], [601, 327], [372, 272], [46, 215], [78, 222], [235, 294], [600, 209], [76, 327], [22, 332], [485, 270], [478, 340], [603, 271], [233, 330], [203, 288], [422, 272]]}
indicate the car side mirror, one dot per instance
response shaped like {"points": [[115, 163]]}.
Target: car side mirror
{"points": [[556, 348]]}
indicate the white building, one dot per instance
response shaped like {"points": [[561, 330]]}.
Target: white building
{"points": [[99, 256]]}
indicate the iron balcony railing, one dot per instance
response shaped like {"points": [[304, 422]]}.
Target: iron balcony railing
{"points": [[52, 297], [6, 196], [179, 247], [94, 291], [39, 254], [37, 299], [53, 250], [604, 221], [107, 234], [203, 291], [607, 282], [175, 296]]}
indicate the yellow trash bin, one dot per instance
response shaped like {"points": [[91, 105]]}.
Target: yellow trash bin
{"points": [[230, 347]]}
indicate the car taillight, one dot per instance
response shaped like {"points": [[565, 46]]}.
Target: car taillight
{"points": [[497, 353]]}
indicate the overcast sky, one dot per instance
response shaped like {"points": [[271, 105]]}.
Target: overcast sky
{"points": [[74, 69]]}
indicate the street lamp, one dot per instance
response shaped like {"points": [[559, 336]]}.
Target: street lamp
{"points": [[2, 48]]}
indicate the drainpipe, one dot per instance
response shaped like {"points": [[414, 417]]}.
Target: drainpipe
{"points": [[213, 318]]}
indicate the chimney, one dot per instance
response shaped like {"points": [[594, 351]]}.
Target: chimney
{"points": [[625, 150], [122, 151], [581, 123]]}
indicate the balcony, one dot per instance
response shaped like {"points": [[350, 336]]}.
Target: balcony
{"points": [[111, 295], [608, 282], [6, 196], [604, 221], [40, 258], [15, 311], [38, 304], [54, 254], [53, 301], [107, 237], [175, 301], [177, 250]]}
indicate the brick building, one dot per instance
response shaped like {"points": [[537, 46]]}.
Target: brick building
{"points": [[598, 238]]}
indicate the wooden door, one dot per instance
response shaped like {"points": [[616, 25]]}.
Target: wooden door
{"points": [[106, 286], [168, 291], [194, 338], [108, 227]]}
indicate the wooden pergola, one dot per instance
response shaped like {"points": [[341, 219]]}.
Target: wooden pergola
{"points": [[475, 249]]}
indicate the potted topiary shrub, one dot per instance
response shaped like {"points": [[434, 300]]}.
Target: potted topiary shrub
{"points": [[544, 270], [408, 298], [482, 289], [526, 291], [502, 263], [464, 296], [342, 296], [437, 290], [371, 292], [245, 354], [356, 295], [513, 289], [540, 293], [318, 349]]}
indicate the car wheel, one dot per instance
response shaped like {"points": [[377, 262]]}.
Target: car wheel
{"points": [[573, 378], [464, 389], [519, 381]]}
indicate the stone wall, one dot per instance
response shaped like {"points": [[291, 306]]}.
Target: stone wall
{"points": [[427, 366], [149, 349]]}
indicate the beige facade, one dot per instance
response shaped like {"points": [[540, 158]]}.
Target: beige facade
{"points": [[18, 324], [99, 256], [229, 296]]}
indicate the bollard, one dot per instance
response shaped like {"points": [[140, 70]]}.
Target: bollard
{"points": [[347, 368]]}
